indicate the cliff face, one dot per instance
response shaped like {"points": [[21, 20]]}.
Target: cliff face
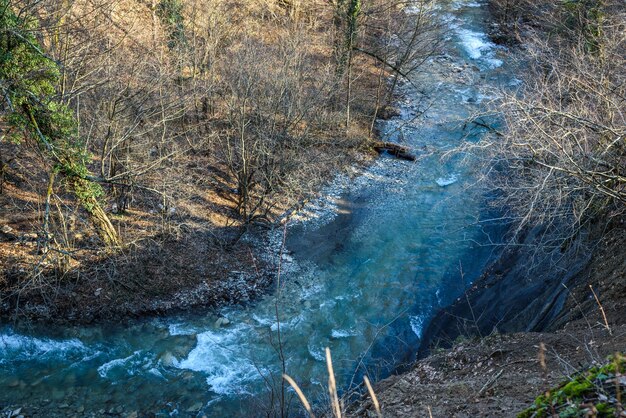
{"points": [[527, 325], [525, 291]]}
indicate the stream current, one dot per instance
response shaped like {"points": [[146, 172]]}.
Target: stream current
{"points": [[364, 268]]}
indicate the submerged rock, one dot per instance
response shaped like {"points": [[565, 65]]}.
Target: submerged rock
{"points": [[222, 322], [168, 359], [195, 407]]}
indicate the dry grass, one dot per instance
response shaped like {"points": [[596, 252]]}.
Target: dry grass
{"points": [[336, 408]]}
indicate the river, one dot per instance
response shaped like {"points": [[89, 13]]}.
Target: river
{"points": [[364, 268]]}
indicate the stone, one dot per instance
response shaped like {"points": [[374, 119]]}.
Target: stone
{"points": [[14, 383], [6, 229], [16, 412], [80, 409], [222, 322], [133, 414], [195, 407], [168, 359]]}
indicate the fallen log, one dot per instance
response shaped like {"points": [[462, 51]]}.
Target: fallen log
{"points": [[397, 150]]}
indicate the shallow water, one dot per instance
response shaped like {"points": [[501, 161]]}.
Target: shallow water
{"points": [[363, 270]]}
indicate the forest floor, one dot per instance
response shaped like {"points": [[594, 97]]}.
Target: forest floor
{"points": [[196, 254]]}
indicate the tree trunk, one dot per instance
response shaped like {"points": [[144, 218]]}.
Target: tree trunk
{"points": [[44, 239], [101, 222], [2, 169]]}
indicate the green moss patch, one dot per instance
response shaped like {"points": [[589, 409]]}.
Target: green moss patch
{"points": [[594, 392]]}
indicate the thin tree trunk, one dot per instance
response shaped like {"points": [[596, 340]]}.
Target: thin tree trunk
{"points": [[377, 107], [44, 240], [3, 167], [101, 222]]}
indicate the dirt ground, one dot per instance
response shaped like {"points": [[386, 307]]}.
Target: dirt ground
{"points": [[498, 376]]}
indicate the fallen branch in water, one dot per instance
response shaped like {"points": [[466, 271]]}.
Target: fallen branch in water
{"points": [[397, 150]]}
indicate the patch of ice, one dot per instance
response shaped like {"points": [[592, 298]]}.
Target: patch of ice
{"points": [[446, 181]]}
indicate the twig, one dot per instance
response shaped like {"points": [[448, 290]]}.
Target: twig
{"points": [[606, 322], [490, 382]]}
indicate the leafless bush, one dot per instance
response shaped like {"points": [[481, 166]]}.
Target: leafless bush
{"points": [[562, 159]]}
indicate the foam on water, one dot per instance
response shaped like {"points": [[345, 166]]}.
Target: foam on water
{"points": [[18, 347], [343, 333], [222, 357], [417, 324], [478, 46], [127, 365], [316, 352], [474, 43], [181, 329]]}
